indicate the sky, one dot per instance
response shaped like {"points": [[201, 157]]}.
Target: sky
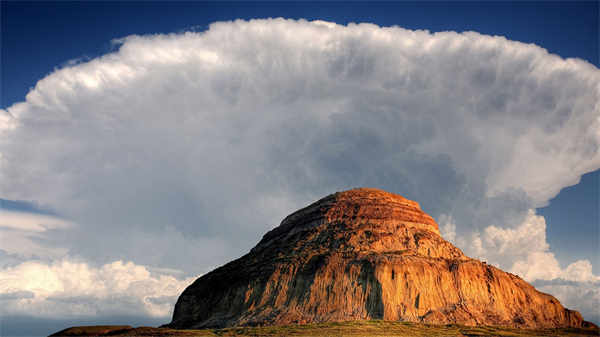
{"points": [[143, 144]]}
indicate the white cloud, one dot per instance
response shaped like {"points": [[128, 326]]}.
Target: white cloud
{"points": [[580, 271], [21, 232], [31, 222], [523, 118], [448, 227], [198, 143], [68, 288], [524, 250], [538, 265]]}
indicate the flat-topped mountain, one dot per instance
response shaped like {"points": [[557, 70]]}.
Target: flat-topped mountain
{"points": [[358, 255]]}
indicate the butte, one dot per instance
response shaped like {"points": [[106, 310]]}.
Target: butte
{"points": [[358, 255]]}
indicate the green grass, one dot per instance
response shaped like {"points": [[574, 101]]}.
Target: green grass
{"points": [[340, 329]]}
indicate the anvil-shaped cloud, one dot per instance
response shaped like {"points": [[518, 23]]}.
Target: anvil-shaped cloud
{"points": [[181, 150]]}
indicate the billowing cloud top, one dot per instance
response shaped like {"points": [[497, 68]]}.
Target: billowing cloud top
{"points": [[198, 143]]}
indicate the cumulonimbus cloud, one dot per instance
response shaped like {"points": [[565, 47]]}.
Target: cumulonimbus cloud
{"points": [[214, 137]]}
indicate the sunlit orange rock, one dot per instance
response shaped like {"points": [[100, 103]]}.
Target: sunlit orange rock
{"points": [[363, 254]]}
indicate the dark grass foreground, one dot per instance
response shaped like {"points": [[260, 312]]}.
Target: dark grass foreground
{"points": [[355, 328]]}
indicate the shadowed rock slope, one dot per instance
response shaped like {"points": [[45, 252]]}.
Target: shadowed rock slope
{"points": [[358, 255]]}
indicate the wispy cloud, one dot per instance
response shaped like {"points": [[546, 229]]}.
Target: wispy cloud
{"points": [[22, 233]]}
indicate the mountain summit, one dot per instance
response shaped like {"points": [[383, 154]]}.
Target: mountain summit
{"points": [[357, 255]]}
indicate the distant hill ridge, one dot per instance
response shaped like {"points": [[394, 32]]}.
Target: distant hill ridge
{"points": [[363, 254]]}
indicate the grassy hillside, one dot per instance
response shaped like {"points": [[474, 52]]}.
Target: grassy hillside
{"points": [[357, 328]]}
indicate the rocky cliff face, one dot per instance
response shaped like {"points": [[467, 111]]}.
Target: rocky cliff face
{"points": [[363, 254]]}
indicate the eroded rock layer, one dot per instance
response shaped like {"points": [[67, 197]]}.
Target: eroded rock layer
{"points": [[363, 254]]}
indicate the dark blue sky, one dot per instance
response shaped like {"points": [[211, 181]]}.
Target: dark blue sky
{"points": [[573, 222]]}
